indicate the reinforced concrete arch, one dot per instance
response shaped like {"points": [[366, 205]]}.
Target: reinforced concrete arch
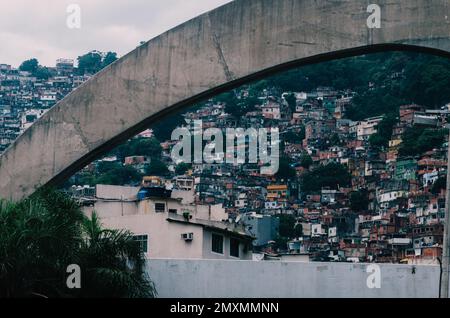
{"points": [[222, 49]]}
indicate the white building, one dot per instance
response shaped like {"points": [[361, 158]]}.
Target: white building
{"points": [[169, 228], [368, 127], [388, 196]]}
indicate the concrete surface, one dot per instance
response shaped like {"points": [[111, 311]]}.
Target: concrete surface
{"points": [[222, 49], [275, 279]]}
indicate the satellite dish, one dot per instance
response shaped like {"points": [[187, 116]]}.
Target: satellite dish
{"points": [[238, 218]]}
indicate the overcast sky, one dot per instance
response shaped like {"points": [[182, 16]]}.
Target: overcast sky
{"points": [[30, 28]]}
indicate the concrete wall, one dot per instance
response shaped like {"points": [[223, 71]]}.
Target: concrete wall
{"points": [[219, 50], [253, 279]]}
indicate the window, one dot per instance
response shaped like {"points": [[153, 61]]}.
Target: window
{"points": [[217, 243], [143, 242], [160, 207], [234, 247], [172, 210]]}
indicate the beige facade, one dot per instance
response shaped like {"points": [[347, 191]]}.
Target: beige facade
{"points": [[169, 228]]}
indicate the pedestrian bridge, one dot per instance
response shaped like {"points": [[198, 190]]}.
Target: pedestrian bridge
{"points": [[234, 44]]}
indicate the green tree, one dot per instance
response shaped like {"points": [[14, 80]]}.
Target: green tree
{"points": [[331, 176], [157, 168], [150, 147], [116, 174], [438, 185], [44, 234], [384, 132], [417, 140], [285, 170], [306, 161], [113, 263], [109, 58], [359, 200], [295, 137], [182, 168], [43, 73], [163, 129], [288, 226], [292, 102], [288, 229], [90, 63], [30, 65]]}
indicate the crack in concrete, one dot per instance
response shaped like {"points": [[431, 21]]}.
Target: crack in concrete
{"points": [[78, 129], [76, 125], [222, 61]]}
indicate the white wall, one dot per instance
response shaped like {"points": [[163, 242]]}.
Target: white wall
{"points": [[258, 279], [164, 238]]}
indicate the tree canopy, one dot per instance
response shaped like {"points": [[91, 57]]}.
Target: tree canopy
{"points": [[417, 140], [330, 176], [94, 61], [396, 78], [32, 66], [384, 131], [44, 234]]}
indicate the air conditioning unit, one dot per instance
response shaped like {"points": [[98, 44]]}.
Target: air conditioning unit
{"points": [[187, 236]]}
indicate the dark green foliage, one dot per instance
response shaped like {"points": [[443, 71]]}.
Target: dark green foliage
{"points": [[306, 161], [359, 200], [182, 168], [328, 176], [117, 174], [43, 73], [427, 80], [438, 185], [90, 63], [288, 229], [157, 168], [375, 102], [41, 236], [113, 263], [237, 107], [149, 147], [384, 132], [292, 102], [334, 140], [417, 140], [285, 171], [95, 61], [109, 58], [294, 137], [164, 127], [30, 65], [398, 78]]}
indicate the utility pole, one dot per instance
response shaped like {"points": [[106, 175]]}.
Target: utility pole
{"points": [[446, 240]]}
